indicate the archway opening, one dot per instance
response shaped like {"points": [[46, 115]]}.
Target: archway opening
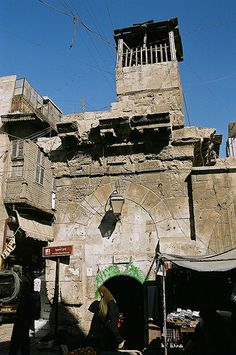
{"points": [[128, 293]]}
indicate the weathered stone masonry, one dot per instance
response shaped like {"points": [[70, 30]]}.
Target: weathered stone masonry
{"points": [[178, 196]]}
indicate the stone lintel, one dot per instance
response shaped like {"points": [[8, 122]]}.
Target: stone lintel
{"points": [[213, 169]]}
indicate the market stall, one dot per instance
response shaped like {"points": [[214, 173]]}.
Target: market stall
{"points": [[203, 264]]}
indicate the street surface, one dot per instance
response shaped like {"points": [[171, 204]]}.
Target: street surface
{"points": [[5, 336]]}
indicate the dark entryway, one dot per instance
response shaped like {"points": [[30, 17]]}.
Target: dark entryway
{"points": [[128, 293]]}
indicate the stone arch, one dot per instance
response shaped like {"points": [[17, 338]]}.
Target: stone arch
{"points": [[138, 193], [132, 191], [120, 270]]}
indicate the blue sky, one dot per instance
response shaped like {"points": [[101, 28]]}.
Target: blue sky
{"points": [[66, 62]]}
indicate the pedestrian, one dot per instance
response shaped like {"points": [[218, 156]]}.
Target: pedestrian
{"points": [[96, 328], [25, 314], [108, 312]]}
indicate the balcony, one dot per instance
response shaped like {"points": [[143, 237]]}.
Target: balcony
{"points": [[28, 181], [26, 100]]}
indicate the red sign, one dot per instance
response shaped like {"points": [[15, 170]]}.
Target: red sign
{"points": [[60, 250]]}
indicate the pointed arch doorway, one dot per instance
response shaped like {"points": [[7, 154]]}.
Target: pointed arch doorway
{"points": [[128, 293]]}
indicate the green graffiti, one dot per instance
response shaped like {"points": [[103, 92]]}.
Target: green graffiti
{"points": [[133, 271], [114, 270]]}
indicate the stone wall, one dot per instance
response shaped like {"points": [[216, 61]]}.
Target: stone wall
{"points": [[156, 210], [150, 89], [154, 177], [214, 199], [7, 84], [3, 213], [151, 165]]}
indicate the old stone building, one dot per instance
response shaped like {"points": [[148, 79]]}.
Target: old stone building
{"points": [[134, 180], [174, 194], [27, 194]]}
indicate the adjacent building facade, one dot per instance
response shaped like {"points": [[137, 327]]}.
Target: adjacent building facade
{"points": [[128, 181], [27, 183]]}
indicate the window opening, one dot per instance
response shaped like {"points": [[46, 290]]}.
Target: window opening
{"points": [[40, 167], [147, 54], [18, 149], [17, 157], [53, 193], [17, 169]]}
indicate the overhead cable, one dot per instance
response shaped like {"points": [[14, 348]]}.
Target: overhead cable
{"points": [[76, 19]]}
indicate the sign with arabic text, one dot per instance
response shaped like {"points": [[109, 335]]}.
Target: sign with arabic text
{"points": [[55, 251]]}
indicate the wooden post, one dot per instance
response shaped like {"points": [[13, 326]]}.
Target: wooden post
{"points": [[126, 57], [161, 52], [146, 55], [56, 251], [131, 57], [172, 45], [56, 295], [151, 54], [156, 57], [166, 52], [119, 61]]}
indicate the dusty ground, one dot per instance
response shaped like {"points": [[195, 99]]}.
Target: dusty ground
{"points": [[5, 336]]}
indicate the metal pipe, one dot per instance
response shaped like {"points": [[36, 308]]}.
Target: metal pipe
{"points": [[56, 294], [164, 308]]}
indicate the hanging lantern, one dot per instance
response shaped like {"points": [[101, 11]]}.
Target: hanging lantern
{"points": [[116, 202]]}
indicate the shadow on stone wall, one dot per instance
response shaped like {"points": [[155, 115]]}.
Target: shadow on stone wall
{"points": [[108, 224], [68, 331]]}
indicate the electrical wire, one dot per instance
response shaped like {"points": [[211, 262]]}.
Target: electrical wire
{"points": [[49, 49], [186, 108], [94, 18], [75, 15], [76, 19], [98, 66], [109, 14], [217, 98]]}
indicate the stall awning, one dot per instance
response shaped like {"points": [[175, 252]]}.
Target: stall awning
{"points": [[34, 229], [218, 262]]}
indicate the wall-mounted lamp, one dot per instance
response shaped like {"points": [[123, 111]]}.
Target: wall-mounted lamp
{"points": [[116, 202]]}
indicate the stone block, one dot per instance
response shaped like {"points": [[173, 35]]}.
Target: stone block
{"points": [[179, 206], [136, 193], [160, 212], [170, 228], [178, 246], [150, 200], [71, 292]]}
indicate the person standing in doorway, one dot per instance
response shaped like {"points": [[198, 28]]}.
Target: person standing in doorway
{"points": [[109, 315]]}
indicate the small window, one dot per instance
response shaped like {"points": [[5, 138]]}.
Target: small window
{"points": [[18, 149], [54, 198], [40, 167], [40, 158], [19, 87], [54, 185], [39, 174], [17, 169]]}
